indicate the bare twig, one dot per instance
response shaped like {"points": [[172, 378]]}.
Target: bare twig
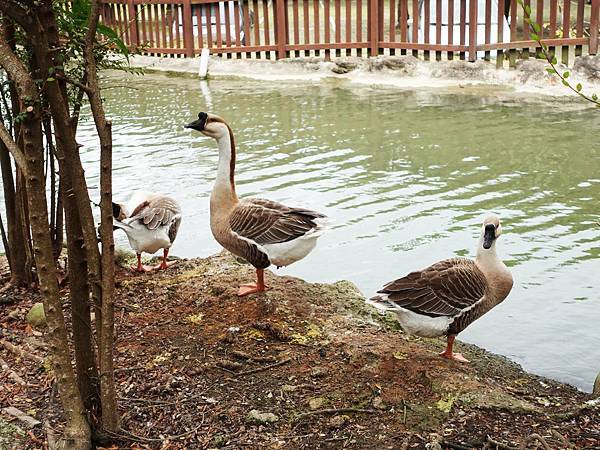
{"points": [[260, 369], [500, 445], [335, 411], [19, 351], [532, 438]]}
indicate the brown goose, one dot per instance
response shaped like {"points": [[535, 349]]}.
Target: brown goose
{"points": [[262, 232], [151, 222], [448, 296]]}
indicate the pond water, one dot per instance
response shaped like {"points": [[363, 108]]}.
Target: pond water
{"points": [[407, 175]]}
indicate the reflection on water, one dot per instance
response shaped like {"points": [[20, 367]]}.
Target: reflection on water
{"points": [[407, 176]]}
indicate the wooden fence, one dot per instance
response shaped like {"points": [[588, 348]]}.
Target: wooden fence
{"points": [[444, 29]]}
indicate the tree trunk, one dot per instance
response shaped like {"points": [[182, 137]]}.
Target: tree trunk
{"points": [[85, 361], [104, 128], [77, 431]]}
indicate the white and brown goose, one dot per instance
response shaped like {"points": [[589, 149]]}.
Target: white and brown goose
{"points": [[263, 232], [445, 298], [151, 222]]}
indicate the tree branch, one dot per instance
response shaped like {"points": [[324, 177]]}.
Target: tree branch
{"points": [[13, 148]]}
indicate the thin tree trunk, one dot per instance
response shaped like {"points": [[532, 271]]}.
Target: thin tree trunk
{"points": [[110, 416], [85, 361], [77, 430]]}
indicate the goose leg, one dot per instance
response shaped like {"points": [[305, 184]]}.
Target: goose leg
{"points": [[252, 288], [141, 267], [164, 264], [448, 353]]}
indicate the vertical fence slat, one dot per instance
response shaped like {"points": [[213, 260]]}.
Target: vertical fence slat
{"points": [[246, 14], [404, 22], [348, 21], [463, 20], [526, 28], [373, 27], [209, 35], [266, 22], [218, 37], [199, 9], [316, 25], [296, 18], [306, 18], [163, 25], [415, 25], [227, 9], [539, 10], [512, 55], [426, 26], [472, 30], [450, 55], [488, 26], [134, 42], [327, 23], [392, 36], [255, 25], [438, 27], [188, 28], [500, 53], [157, 26], [566, 28], [359, 20], [144, 37], [280, 27], [579, 25], [594, 27], [338, 20], [236, 25], [380, 13]]}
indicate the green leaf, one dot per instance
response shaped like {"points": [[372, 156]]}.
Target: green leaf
{"points": [[528, 10], [114, 37], [578, 87], [566, 74], [536, 27], [535, 37], [594, 97], [50, 79], [550, 70], [554, 60], [565, 82]]}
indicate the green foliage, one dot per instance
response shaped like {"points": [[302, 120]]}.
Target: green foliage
{"points": [[552, 70]]}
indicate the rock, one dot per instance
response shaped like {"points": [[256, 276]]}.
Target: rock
{"points": [[588, 66], [405, 64], [316, 403], [460, 70], [36, 316], [288, 388], [338, 421], [319, 372], [344, 66], [261, 418], [596, 391], [378, 403], [533, 70], [14, 314]]}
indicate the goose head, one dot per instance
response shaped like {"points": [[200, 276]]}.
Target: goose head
{"points": [[491, 230], [210, 125]]}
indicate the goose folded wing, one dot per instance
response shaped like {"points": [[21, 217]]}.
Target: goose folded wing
{"points": [[157, 212], [443, 289], [267, 222]]}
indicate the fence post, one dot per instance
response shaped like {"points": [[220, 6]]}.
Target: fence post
{"points": [[594, 27], [188, 28], [473, 30], [133, 27], [373, 24], [280, 29]]}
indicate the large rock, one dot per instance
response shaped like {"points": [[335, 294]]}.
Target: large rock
{"points": [[261, 418], [588, 66], [36, 316], [596, 391]]}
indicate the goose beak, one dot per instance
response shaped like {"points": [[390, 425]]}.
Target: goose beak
{"points": [[199, 124], [489, 236]]}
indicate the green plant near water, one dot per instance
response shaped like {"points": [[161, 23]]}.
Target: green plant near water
{"points": [[553, 69]]}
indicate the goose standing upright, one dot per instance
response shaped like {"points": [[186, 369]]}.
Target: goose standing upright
{"points": [[263, 232], [448, 296], [151, 222]]}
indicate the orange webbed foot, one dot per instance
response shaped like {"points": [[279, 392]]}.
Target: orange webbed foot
{"points": [[250, 288], [164, 265], [455, 356]]}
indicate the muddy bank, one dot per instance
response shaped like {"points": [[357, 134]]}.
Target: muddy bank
{"points": [[302, 366], [529, 76]]}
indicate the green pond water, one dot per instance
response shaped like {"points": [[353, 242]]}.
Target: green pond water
{"points": [[407, 175]]}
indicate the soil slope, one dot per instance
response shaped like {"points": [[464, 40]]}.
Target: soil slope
{"points": [[301, 366]]}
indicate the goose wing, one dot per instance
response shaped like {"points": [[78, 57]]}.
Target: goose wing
{"points": [[445, 288], [159, 211], [268, 222]]}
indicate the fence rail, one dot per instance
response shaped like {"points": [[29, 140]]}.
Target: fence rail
{"points": [[465, 29]]}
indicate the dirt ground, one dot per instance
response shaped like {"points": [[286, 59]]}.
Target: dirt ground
{"points": [[303, 366]]}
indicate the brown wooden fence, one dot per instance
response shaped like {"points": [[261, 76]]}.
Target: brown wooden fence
{"points": [[466, 29]]}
